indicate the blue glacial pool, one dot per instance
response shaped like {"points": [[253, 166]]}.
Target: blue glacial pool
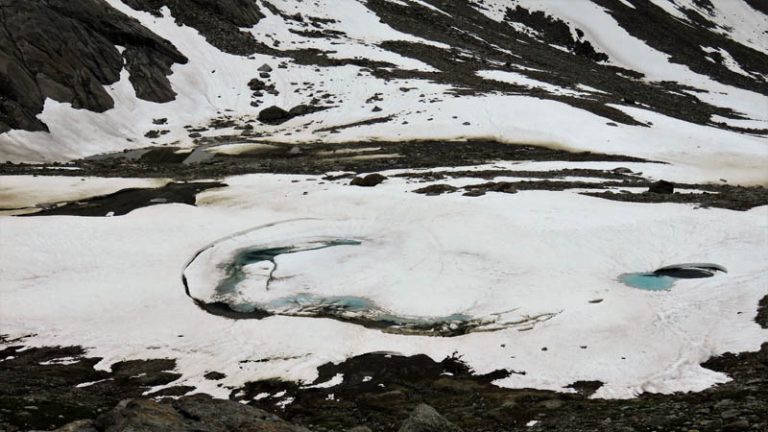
{"points": [[647, 281], [663, 278]]}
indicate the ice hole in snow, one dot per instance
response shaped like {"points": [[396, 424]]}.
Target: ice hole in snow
{"points": [[242, 278], [663, 279]]}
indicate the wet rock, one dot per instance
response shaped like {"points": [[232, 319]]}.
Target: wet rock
{"points": [[424, 418], [662, 187], [368, 181], [264, 75], [274, 115]]}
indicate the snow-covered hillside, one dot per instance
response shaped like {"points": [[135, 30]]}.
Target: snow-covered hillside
{"points": [[586, 75]]}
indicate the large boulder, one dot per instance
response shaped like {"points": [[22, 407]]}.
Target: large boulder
{"points": [[368, 181], [424, 418], [662, 187], [274, 115]]}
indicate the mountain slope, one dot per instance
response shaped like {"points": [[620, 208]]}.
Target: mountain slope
{"points": [[689, 73]]}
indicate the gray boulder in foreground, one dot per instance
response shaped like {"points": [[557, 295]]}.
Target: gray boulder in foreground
{"points": [[198, 412], [424, 418]]}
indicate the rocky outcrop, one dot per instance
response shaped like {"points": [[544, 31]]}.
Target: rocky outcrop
{"points": [[68, 51], [424, 418], [219, 21], [199, 412]]}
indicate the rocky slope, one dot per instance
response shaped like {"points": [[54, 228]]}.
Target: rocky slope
{"points": [[696, 61]]}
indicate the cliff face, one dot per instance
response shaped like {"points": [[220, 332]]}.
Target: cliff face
{"points": [[68, 51]]}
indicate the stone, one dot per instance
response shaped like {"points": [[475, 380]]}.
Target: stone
{"points": [[78, 426], [274, 115], [424, 418], [299, 110], [368, 181], [256, 84], [436, 189], [214, 376], [265, 68], [738, 425], [662, 187]]}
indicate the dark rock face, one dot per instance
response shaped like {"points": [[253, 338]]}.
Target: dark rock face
{"points": [[662, 187], [370, 180], [67, 51], [682, 40], [555, 31], [424, 418], [219, 21]]}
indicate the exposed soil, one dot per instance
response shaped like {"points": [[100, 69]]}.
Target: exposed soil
{"points": [[316, 158], [370, 157]]}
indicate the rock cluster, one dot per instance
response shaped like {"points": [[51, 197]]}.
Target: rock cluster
{"points": [[199, 412]]}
